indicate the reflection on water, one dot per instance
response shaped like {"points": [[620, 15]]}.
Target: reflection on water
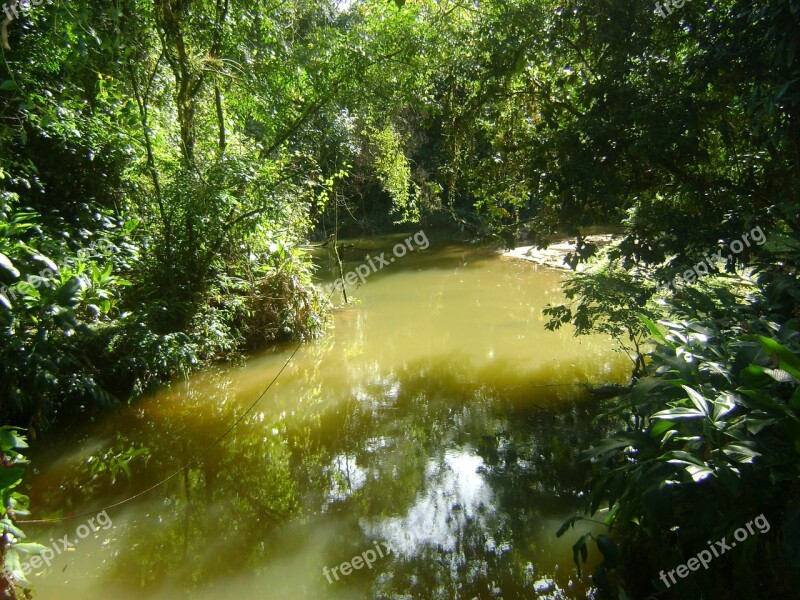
{"points": [[456, 494], [438, 416]]}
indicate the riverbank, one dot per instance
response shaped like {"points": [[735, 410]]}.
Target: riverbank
{"points": [[555, 254]]}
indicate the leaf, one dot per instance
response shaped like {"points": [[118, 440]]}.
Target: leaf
{"points": [[653, 329], [9, 527], [754, 376], [68, 294], [729, 478], [780, 375], [600, 577], [10, 476], [12, 564], [661, 427], [704, 331], [10, 440], [740, 453], [718, 369], [697, 469], [763, 401], [636, 439], [755, 425], [29, 548], [680, 456], [7, 266], [580, 548], [608, 548], [679, 412], [697, 399], [8, 86], [788, 360], [699, 473], [567, 524], [6, 440], [42, 259], [794, 401], [723, 404]]}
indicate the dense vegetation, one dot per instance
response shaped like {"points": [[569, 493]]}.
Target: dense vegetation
{"points": [[162, 163]]}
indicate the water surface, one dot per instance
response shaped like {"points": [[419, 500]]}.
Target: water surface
{"points": [[438, 418]]}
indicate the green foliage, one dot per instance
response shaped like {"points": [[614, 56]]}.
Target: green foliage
{"points": [[606, 298], [47, 311], [711, 441], [394, 172], [284, 299], [151, 156], [559, 116], [14, 505]]}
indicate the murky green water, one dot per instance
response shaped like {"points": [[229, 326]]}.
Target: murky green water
{"points": [[438, 418]]}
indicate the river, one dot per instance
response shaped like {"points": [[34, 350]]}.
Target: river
{"points": [[438, 420]]}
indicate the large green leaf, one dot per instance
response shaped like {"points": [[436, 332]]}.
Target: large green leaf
{"points": [[10, 440], [580, 548], [697, 399], [7, 267], [10, 476], [567, 524], [654, 330], [788, 360], [679, 412], [741, 452], [69, 293], [29, 548], [636, 439], [661, 427]]}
